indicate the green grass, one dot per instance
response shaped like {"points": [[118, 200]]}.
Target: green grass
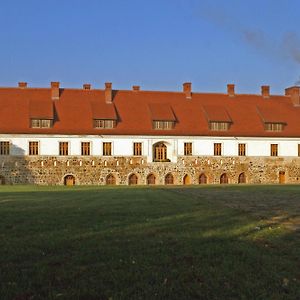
{"points": [[214, 242]]}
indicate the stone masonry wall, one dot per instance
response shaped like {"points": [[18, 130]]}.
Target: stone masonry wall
{"points": [[93, 170]]}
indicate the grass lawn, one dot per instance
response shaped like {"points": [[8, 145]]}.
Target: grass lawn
{"points": [[212, 242]]}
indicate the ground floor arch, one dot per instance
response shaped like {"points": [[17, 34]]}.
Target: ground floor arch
{"points": [[69, 180], [169, 179], [224, 178], [151, 179], [202, 179], [2, 180], [186, 179], [132, 179], [110, 179], [282, 177], [242, 178]]}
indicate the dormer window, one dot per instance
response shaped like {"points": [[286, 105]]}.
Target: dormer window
{"points": [[104, 124], [274, 126], [163, 125], [41, 123], [219, 126]]}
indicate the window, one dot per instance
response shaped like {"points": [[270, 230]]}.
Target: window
{"points": [[298, 149], [274, 126], [106, 149], [4, 148], [188, 149], [63, 148], [160, 152], [217, 149], [104, 124], [274, 149], [33, 148], [242, 149], [41, 123], [137, 149], [163, 125], [219, 126], [85, 148]]}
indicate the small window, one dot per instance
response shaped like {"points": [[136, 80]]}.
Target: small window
{"points": [[85, 148], [188, 149], [274, 126], [298, 149], [137, 149], [274, 149], [163, 125], [242, 149], [217, 149], [106, 149], [63, 148], [104, 124], [219, 126], [33, 148], [41, 123], [4, 148]]}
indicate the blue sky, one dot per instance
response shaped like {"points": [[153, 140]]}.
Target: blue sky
{"points": [[158, 44]]}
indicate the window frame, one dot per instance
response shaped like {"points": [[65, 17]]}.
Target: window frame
{"points": [[5, 147], [107, 123], [137, 148], [107, 151], [274, 150], [40, 123], [217, 149], [188, 148], [83, 149], [33, 151], [59, 148], [242, 149]]}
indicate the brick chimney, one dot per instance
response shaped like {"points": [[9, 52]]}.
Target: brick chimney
{"points": [[86, 86], [54, 90], [136, 88], [230, 90], [22, 85], [294, 93], [187, 89], [108, 92], [265, 91]]}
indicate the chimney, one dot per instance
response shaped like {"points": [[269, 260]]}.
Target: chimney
{"points": [[135, 88], [22, 85], [108, 92], [265, 91], [187, 89], [55, 90], [294, 93], [230, 90], [86, 86]]}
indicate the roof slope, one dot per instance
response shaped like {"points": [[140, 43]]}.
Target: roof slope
{"points": [[135, 111]]}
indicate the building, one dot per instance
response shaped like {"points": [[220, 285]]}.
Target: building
{"points": [[105, 136]]}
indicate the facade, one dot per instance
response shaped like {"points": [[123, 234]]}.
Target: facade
{"points": [[91, 136]]}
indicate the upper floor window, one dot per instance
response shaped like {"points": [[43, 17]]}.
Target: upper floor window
{"points": [[104, 124], [242, 149], [137, 149], [41, 123], [33, 148], [219, 126], [85, 148], [107, 148], [298, 149], [274, 149], [274, 126], [163, 125], [4, 148], [217, 149], [63, 148], [188, 149]]}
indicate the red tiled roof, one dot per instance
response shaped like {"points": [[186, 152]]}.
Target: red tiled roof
{"points": [[135, 110], [41, 109]]}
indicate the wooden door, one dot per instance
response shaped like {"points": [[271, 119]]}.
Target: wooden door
{"points": [[69, 180], [186, 179], [281, 177]]}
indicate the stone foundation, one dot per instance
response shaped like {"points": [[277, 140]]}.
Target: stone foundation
{"points": [[93, 170]]}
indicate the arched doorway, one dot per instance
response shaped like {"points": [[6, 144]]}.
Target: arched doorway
{"points": [[2, 180], [169, 179], [132, 180], [202, 179], [224, 178], [151, 179], [160, 152], [281, 177], [69, 180], [186, 179], [110, 179], [242, 178]]}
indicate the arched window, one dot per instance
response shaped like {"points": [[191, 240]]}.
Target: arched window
{"points": [[160, 152], [224, 179], [281, 177], [2, 180], [242, 178], [202, 179], [69, 180], [110, 179], [186, 179], [151, 179], [169, 179], [133, 179]]}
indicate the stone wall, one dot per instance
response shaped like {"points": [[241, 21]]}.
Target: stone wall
{"points": [[93, 170]]}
